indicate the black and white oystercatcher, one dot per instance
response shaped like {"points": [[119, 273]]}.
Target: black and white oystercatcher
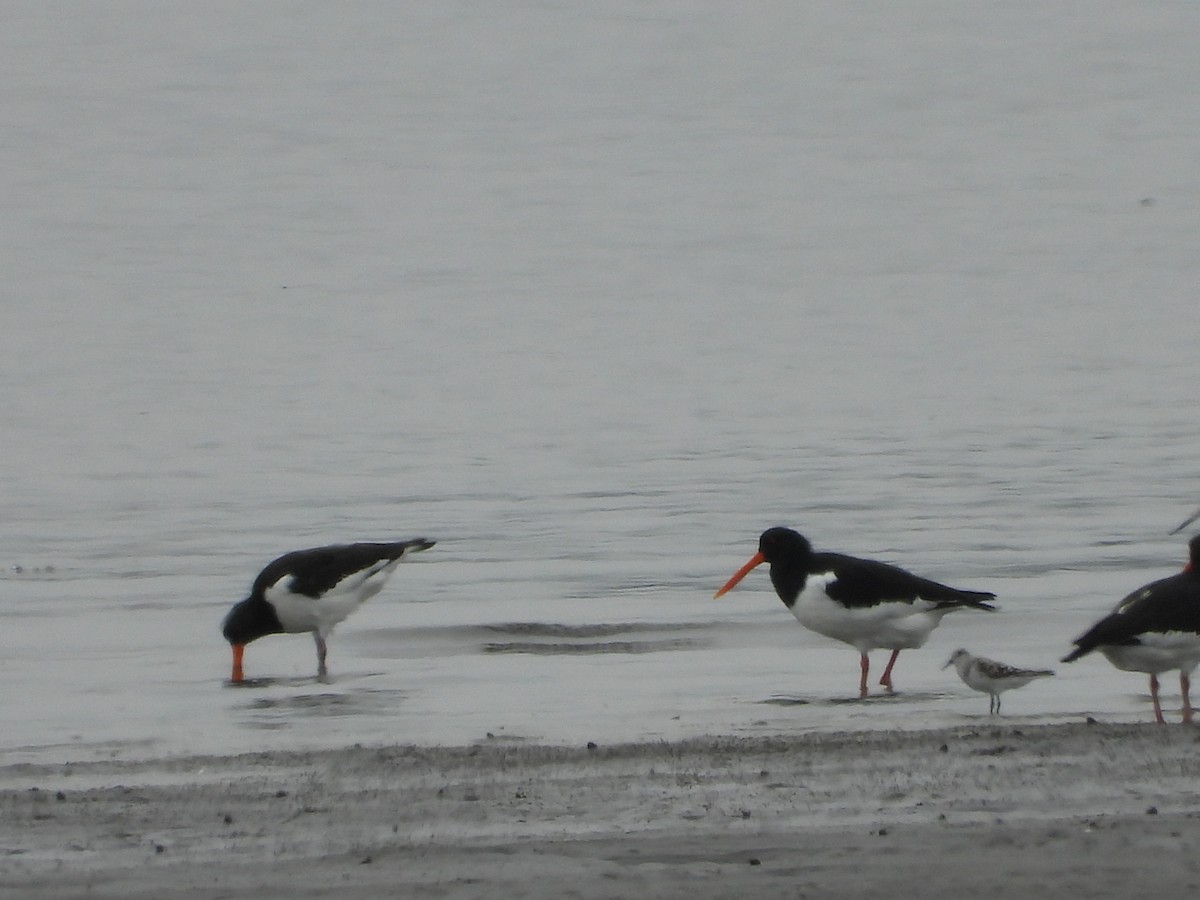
{"points": [[990, 677], [312, 590], [864, 603], [1154, 630]]}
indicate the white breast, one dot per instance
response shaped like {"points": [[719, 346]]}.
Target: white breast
{"points": [[298, 612], [889, 625], [1156, 653]]}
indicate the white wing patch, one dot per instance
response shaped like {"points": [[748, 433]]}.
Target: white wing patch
{"points": [[892, 625], [297, 612], [1158, 652]]}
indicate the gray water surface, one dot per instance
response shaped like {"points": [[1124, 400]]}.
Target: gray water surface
{"points": [[591, 294]]}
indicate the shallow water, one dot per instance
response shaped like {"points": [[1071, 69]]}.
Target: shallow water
{"points": [[591, 297]]}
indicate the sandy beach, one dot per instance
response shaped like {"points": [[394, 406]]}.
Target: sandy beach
{"points": [[1096, 810]]}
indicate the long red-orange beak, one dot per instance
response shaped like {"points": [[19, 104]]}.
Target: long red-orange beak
{"points": [[756, 560], [237, 677]]}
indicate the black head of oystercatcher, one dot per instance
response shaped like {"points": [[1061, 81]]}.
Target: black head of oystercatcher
{"points": [[1154, 630], [861, 602], [312, 590]]}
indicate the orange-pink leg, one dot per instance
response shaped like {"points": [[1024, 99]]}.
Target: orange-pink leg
{"points": [[886, 680], [1185, 684], [864, 665], [1158, 716]]}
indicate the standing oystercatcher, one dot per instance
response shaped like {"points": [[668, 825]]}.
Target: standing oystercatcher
{"points": [[861, 602], [1155, 629], [312, 590], [990, 677]]}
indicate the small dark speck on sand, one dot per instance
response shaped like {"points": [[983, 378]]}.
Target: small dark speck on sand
{"points": [[755, 861], [1152, 811], [591, 745], [945, 748]]}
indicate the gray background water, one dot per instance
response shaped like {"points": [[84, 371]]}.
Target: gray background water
{"points": [[591, 293]]}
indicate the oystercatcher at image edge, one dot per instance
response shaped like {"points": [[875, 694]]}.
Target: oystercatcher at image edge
{"points": [[1186, 522], [312, 590], [861, 602], [1154, 630]]}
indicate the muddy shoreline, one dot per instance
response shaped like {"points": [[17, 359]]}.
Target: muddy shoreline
{"points": [[1081, 809]]}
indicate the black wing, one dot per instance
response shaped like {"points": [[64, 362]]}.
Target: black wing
{"points": [[315, 571], [1169, 604], [867, 582]]}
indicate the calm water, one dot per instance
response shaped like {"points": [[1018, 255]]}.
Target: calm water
{"points": [[591, 294]]}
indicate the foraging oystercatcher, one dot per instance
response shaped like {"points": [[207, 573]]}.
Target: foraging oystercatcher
{"points": [[990, 677], [1154, 630], [861, 602], [312, 590]]}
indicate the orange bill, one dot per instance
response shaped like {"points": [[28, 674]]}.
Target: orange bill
{"points": [[238, 650], [756, 560]]}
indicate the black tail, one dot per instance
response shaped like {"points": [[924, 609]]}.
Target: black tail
{"points": [[1076, 653], [948, 597]]}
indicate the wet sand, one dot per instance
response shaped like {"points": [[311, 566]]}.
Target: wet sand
{"points": [[997, 810]]}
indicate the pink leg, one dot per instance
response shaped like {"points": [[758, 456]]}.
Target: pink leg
{"points": [[865, 665], [886, 680], [1185, 684], [1158, 716]]}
